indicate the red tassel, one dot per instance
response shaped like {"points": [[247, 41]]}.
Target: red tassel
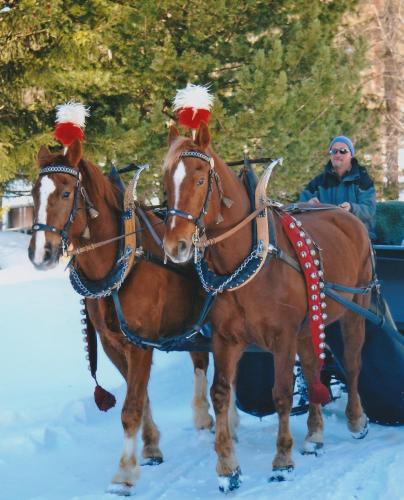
{"points": [[318, 393], [67, 132], [103, 399], [192, 118]]}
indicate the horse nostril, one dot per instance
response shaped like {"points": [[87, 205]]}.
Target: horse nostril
{"points": [[48, 252], [182, 246], [30, 253]]}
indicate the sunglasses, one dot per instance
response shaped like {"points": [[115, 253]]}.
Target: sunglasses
{"points": [[334, 151]]}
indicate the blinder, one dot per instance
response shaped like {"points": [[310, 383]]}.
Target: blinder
{"points": [[63, 233]]}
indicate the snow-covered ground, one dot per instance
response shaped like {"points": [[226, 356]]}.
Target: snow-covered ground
{"points": [[55, 444]]}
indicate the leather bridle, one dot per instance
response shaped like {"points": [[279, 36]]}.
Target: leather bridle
{"points": [[63, 233], [198, 221]]}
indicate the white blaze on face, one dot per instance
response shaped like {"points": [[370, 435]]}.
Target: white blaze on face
{"points": [[178, 177], [46, 188]]}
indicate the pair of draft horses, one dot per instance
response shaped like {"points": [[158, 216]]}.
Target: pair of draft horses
{"points": [[270, 311]]}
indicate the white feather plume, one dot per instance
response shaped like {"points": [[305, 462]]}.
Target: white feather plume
{"points": [[72, 112], [193, 96]]}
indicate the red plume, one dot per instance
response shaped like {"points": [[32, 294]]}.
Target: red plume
{"points": [[70, 120], [193, 105]]}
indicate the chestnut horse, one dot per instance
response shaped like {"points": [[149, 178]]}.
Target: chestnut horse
{"points": [[271, 309], [155, 300]]}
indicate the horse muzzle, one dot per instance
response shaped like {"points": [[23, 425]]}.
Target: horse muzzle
{"points": [[179, 251], [45, 259]]}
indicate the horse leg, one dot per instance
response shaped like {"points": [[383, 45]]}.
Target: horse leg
{"points": [[353, 331], [200, 404], [139, 364], [282, 392], [314, 440], [234, 417], [226, 357], [151, 437]]}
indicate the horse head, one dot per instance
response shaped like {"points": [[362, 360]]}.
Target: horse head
{"points": [[64, 193], [188, 183], [57, 205]]}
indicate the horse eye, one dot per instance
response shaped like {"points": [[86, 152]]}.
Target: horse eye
{"points": [[66, 194], [200, 182]]}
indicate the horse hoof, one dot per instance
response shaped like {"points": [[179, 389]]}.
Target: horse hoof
{"points": [[282, 474], [230, 482], [121, 489], [310, 448], [152, 461], [207, 423], [363, 432]]}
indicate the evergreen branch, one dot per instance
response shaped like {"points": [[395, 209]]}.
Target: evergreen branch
{"points": [[10, 37]]}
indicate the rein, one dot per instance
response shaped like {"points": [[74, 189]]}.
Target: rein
{"points": [[93, 246], [206, 242]]}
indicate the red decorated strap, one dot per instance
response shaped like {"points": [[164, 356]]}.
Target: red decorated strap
{"points": [[311, 266]]}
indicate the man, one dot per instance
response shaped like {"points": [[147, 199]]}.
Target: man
{"points": [[345, 183]]}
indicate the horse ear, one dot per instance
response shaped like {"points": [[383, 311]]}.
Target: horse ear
{"points": [[74, 153], [203, 136], [43, 154], [172, 134]]}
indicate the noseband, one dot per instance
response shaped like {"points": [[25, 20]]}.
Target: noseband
{"points": [[171, 212], [63, 233]]}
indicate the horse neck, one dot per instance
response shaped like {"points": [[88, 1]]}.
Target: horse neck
{"points": [[146, 240], [97, 263], [230, 252]]}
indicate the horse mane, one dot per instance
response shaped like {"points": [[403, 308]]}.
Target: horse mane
{"points": [[98, 186]]}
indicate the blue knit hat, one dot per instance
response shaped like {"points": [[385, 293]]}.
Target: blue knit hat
{"points": [[345, 140]]}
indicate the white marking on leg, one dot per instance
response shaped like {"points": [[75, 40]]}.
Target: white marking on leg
{"points": [[129, 470], [178, 177], [200, 404], [129, 446], [47, 187]]}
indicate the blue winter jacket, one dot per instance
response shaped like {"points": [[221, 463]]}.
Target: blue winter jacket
{"points": [[355, 186]]}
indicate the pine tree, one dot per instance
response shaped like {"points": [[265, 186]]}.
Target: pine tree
{"points": [[283, 86]]}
